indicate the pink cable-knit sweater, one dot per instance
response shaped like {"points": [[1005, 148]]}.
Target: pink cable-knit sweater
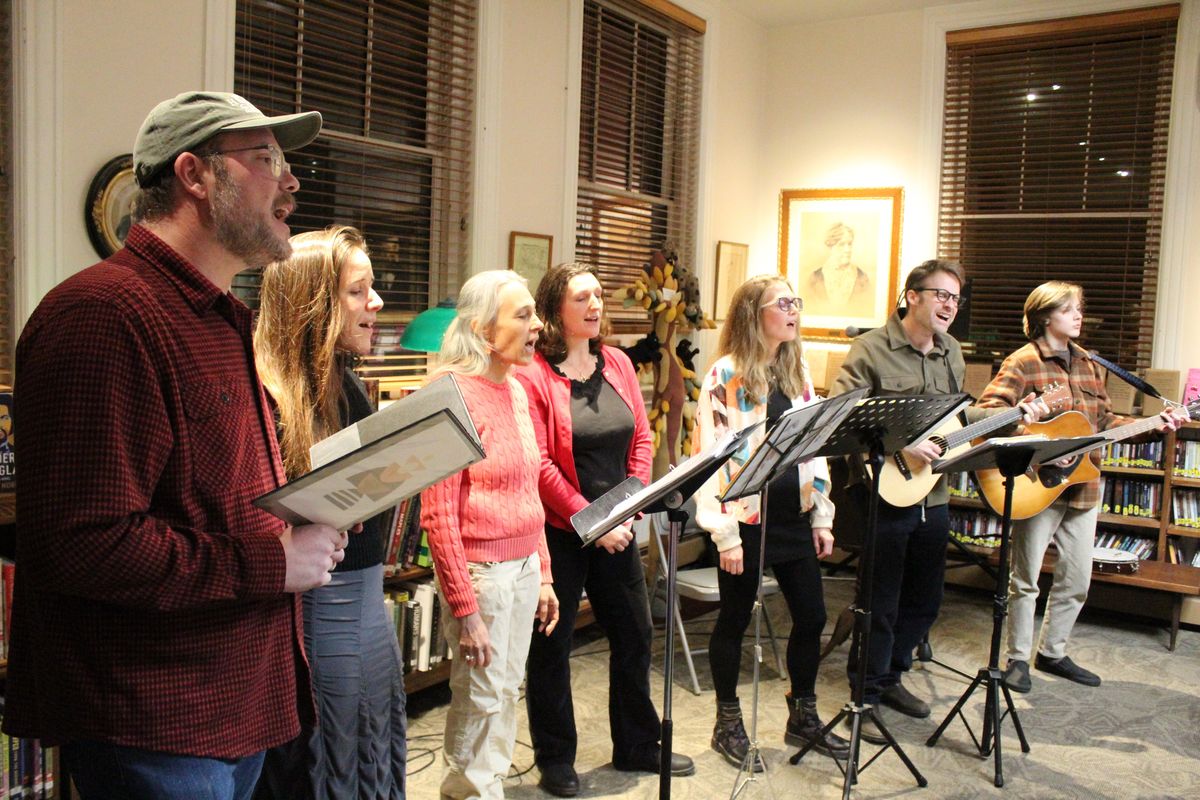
{"points": [[490, 511]]}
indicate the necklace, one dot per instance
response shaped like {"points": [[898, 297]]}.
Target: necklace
{"points": [[577, 373]]}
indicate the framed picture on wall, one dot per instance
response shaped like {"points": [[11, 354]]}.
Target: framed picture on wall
{"points": [[529, 256], [731, 273], [840, 249]]}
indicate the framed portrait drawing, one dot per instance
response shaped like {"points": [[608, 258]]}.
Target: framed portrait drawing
{"points": [[529, 256], [840, 248], [731, 273]]}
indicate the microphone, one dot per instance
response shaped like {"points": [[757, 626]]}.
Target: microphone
{"points": [[853, 331]]}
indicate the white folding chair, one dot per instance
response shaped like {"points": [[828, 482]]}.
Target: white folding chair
{"points": [[701, 584]]}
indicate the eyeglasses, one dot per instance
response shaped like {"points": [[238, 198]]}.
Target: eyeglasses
{"points": [[786, 304], [942, 295], [278, 163]]}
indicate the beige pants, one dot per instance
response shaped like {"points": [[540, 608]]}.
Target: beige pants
{"points": [[1073, 533], [481, 727]]}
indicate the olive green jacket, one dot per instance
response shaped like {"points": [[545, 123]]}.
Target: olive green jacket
{"points": [[885, 361]]}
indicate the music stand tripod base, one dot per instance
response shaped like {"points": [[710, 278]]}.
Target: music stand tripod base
{"points": [[1012, 459]]}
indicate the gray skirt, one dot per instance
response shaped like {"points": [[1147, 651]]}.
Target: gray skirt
{"points": [[358, 749]]}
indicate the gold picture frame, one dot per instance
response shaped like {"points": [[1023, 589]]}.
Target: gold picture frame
{"points": [[529, 255], [840, 249], [732, 261]]}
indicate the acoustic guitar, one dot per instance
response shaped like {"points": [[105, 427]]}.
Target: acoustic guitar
{"points": [[1034, 493], [904, 482]]}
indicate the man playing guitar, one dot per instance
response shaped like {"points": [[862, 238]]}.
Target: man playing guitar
{"points": [[912, 354], [1053, 319]]}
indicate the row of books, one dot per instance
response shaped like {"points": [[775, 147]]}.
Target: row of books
{"points": [[1185, 508], [1131, 498], [417, 614], [26, 768], [1183, 550], [1140, 546], [7, 574], [1187, 458], [1148, 455], [960, 484], [409, 545], [976, 528]]}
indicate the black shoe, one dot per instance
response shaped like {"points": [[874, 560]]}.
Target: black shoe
{"points": [[804, 725], [560, 780], [868, 731], [904, 701], [1066, 668], [648, 761], [1016, 676]]}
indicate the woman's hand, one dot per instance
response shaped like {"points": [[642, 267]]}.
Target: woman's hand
{"points": [[547, 610], [731, 560], [822, 541], [474, 643], [616, 540]]}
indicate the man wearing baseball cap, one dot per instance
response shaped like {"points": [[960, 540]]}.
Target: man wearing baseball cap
{"points": [[155, 629]]}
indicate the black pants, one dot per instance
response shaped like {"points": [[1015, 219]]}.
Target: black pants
{"points": [[910, 572], [800, 582], [616, 588]]}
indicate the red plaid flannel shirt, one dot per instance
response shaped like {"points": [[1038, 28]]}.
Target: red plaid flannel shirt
{"points": [[1031, 369], [149, 607]]}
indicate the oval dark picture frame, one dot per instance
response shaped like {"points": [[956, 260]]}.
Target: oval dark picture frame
{"points": [[109, 205]]}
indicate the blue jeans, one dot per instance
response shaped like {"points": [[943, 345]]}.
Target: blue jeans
{"points": [[104, 771]]}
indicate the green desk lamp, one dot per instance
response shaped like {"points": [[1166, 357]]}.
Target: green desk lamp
{"points": [[425, 332]]}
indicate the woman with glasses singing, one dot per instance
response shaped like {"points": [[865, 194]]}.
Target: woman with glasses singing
{"points": [[760, 373], [317, 315]]}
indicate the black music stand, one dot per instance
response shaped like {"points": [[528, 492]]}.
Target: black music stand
{"points": [[795, 437], [1012, 457], [878, 427], [665, 494]]}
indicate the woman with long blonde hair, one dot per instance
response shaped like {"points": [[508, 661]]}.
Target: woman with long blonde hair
{"points": [[759, 374], [317, 316]]}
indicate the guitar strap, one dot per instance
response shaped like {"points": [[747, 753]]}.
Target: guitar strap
{"points": [[1133, 380]]}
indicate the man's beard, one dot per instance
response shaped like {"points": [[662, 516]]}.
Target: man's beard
{"points": [[246, 236]]}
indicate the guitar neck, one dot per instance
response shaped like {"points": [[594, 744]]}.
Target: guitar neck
{"points": [[983, 427]]}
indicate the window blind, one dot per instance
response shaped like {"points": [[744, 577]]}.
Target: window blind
{"points": [[639, 131], [1053, 164], [395, 82]]}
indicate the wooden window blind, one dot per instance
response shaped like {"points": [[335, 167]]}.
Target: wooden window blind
{"points": [[1053, 164], [7, 341], [395, 82], [639, 132]]}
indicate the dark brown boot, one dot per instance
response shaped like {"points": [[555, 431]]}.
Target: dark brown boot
{"points": [[729, 735], [804, 726]]}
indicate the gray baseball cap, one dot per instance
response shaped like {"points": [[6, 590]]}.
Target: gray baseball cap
{"points": [[192, 118]]}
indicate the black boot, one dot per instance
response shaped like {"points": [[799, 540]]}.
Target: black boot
{"points": [[729, 734], [804, 725]]}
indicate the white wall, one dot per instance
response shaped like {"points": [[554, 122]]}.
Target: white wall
{"points": [[97, 72], [533, 189]]}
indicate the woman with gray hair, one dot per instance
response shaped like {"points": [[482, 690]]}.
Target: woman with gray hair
{"points": [[486, 535]]}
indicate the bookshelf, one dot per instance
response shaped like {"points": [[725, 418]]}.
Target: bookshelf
{"points": [[1153, 497]]}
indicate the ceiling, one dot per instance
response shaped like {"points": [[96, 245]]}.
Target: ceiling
{"points": [[790, 12]]}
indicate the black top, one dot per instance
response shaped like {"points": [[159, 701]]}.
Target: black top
{"points": [[368, 548], [789, 533], [601, 432]]}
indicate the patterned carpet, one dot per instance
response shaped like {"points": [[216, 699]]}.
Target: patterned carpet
{"points": [[1136, 736]]}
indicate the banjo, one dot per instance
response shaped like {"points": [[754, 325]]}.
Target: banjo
{"points": [[1111, 561]]}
